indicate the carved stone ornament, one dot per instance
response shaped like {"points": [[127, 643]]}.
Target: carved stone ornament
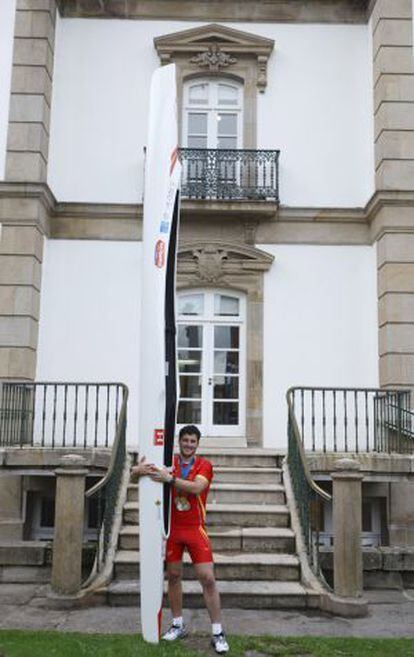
{"points": [[209, 263], [213, 59], [215, 47]]}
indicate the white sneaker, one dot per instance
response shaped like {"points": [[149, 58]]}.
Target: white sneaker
{"points": [[219, 643], [175, 632]]}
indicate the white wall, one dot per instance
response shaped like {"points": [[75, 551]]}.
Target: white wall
{"points": [[317, 109], [7, 13], [89, 316], [320, 324]]}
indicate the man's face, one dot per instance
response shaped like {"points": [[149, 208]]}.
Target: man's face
{"points": [[188, 444]]}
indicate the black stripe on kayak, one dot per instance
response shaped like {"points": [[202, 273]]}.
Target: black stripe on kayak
{"points": [[170, 357]]}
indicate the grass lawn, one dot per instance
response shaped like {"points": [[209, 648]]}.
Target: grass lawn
{"points": [[15, 643]]}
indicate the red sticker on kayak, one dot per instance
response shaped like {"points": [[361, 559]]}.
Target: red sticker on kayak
{"points": [[159, 255], [158, 437]]}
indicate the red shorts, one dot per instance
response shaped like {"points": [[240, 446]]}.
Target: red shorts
{"points": [[196, 541]]}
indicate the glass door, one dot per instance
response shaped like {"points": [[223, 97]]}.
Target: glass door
{"points": [[211, 345]]}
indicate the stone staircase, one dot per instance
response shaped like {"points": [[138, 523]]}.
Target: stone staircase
{"points": [[249, 525]]}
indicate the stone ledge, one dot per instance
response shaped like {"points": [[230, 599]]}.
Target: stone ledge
{"points": [[23, 553], [36, 457], [386, 464], [318, 11], [393, 559]]}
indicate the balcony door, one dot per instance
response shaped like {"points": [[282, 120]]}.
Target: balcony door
{"points": [[211, 359], [213, 123], [213, 114]]}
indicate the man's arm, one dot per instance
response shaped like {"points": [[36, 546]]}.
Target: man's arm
{"points": [[142, 469], [194, 487]]}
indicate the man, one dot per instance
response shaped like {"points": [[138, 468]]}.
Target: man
{"points": [[190, 480]]}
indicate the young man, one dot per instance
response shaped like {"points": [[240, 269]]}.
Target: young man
{"points": [[190, 480]]}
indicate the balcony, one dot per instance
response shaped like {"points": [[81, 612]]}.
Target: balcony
{"points": [[230, 175]]}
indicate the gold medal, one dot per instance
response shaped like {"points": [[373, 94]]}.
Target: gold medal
{"points": [[182, 503]]}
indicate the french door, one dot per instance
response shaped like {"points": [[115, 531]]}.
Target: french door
{"points": [[212, 124], [211, 360]]}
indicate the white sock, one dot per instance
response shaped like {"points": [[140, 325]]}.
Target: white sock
{"points": [[216, 628], [178, 621]]}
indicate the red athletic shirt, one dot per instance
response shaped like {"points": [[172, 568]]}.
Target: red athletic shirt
{"points": [[196, 514]]}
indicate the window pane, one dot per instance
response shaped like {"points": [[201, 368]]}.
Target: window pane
{"points": [[226, 337], [191, 304], [197, 124], [226, 387], [198, 94], [227, 125], [190, 387], [190, 336], [189, 361], [226, 362], [47, 512], [197, 142], [226, 413], [189, 412], [227, 142], [225, 305], [93, 515], [227, 94]]}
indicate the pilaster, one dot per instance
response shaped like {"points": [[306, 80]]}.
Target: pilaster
{"points": [[23, 213], [31, 90], [393, 225]]}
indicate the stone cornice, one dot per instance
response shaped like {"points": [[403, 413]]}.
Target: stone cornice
{"points": [[215, 48], [260, 222], [287, 11]]}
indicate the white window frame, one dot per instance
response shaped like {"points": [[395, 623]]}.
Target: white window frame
{"points": [[213, 108]]}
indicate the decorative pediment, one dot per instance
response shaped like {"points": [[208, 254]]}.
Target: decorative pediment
{"points": [[210, 262], [214, 47]]}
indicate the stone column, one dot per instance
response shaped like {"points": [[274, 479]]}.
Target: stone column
{"points": [[347, 527], [393, 221], [25, 201], [69, 518]]}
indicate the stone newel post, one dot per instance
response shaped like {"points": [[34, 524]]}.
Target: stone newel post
{"points": [[69, 517], [347, 526]]}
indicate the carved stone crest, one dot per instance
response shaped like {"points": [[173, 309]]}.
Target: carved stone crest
{"points": [[210, 263], [213, 59]]}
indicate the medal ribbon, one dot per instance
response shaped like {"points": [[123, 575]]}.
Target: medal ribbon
{"points": [[185, 468]]}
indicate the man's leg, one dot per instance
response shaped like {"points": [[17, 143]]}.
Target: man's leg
{"points": [[205, 575], [175, 590]]}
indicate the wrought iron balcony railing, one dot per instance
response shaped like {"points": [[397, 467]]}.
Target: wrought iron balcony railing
{"points": [[230, 174]]}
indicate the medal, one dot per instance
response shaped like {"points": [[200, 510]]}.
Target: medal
{"points": [[182, 503]]}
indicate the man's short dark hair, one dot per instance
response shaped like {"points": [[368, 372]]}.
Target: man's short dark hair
{"points": [[190, 430]]}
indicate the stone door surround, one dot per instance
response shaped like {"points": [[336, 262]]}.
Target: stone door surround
{"points": [[237, 267]]}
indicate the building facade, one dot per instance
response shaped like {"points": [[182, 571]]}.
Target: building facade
{"points": [[296, 255]]}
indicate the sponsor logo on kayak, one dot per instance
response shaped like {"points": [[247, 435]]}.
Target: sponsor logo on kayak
{"points": [[158, 437], [164, 226], [159, 255], [173, 159]]}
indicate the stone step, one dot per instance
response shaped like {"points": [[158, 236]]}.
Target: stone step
{"points": [[245, 475], [256, 566], [25, 574], [230, 515], [243, 457], [225, 493], [277, 540], [251, 594], [23, 553]]}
